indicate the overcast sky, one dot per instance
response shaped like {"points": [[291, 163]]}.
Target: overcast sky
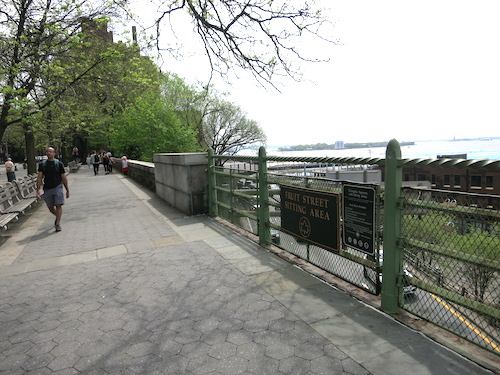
{"points": [[421, 70]]}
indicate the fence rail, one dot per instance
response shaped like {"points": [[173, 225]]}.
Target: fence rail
{"points": [[437, 252]]}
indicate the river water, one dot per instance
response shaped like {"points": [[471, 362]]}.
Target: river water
{"points": [[475, 149]]}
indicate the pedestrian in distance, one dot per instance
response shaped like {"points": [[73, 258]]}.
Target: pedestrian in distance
{"points": [[52, 174], [75, 154], [95, 160], [124, 165], [10, 169], [105, 162], [110, 165]]}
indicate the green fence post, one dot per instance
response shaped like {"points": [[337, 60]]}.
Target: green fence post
{"points": [[263, 210], [212, 183], [392, 265]]}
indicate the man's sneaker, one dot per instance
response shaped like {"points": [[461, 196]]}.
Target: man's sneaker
{"points": [[58, 228]]}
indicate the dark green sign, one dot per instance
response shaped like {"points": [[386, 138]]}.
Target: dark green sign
{"points": [[359, 217], [311, 215]]}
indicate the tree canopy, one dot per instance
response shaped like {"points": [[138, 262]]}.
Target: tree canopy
{"points": [[32, 35]]}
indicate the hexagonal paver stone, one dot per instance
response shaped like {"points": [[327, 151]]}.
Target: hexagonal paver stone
{"points": [[63, 362], [83, 335], [214, 337], [92, 348], [256, 325], [295, 366], [309, 351], [326, 365], [176, 364], [168, 348], [222, 350], [202, 365], [251, 350], [116, 363], [333, 352], [280, 351], [239, 337], [282, 325], [206, 325], [352, 367], [185, 337], [41, 348], [233, 365], [231, 325], [263, 366], [141, 349], [47, 326], [13, 361], [195, 349], [181, 325], [17, 349], [37, 362], [66, 347], [86, 364], [112, 325]]}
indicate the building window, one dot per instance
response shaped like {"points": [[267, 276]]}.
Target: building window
{"points": [[433, 180], [407, 177], [475, 182], [456, 181], [489, 182], [422, 177], [446, 181]]}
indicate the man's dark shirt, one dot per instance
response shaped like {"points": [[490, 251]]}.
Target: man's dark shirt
{"points": [[51, 174]]}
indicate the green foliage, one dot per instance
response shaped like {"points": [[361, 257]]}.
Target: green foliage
{"points": [[478, 250], [150, 126], [83, 115], [36, 37], [483, 249]]}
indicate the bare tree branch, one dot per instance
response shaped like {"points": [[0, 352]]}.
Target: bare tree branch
{"points": [[259, 36]]}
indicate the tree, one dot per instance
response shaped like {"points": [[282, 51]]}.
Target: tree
{"points": [[32, 35], [84, 114], [484, 250], [260, 36], [151, 126], [188, 102], [227, 130]]}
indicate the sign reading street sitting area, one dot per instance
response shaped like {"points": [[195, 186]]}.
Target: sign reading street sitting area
{"points": [[311, 215]]}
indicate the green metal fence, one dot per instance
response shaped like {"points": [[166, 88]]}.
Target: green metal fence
{"points": [[437, 252]]}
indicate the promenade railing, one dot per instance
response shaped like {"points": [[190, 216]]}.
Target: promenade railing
{"points": [[436, 253]]}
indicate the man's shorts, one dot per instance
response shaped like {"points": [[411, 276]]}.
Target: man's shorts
{"points": [[54, 197]]}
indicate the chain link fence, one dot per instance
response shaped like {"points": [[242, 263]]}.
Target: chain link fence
{"points": [[452, 252]]}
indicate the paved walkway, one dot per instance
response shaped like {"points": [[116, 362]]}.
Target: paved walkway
{"points": [[131, 286]]}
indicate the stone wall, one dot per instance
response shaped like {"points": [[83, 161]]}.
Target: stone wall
{"points": [[140, 171], [181, 179]]}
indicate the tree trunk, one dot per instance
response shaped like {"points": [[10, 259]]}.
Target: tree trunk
{"points": [[29, 140]]}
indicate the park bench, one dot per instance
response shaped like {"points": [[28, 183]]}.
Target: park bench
{"points": [[15, 201], [27, 186], [5, 203]]}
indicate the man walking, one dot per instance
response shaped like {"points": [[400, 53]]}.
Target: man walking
{"points": [[52, 172], [94, 159]]}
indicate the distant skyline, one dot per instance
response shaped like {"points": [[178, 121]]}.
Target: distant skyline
{"points": [[404, 70]]}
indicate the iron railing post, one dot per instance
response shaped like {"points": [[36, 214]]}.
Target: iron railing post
{"points": [[263, 202], [392, 261], [212, 182]]}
